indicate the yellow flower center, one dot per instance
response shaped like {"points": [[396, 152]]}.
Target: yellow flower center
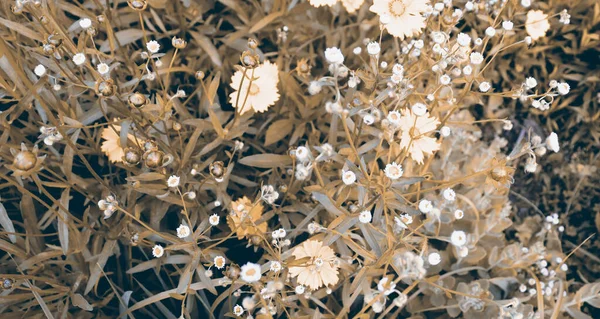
{"points": [[414, 132], [397, 8], [254, 89], [251, 272]]}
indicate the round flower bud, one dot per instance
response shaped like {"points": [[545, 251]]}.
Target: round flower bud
{"points": [[137, 100], [25, 160]]}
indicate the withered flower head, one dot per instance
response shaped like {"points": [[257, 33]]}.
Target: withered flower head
{"points": [[249, 59], [26, 162], [137, 5], [303, 68], [243, 217], [178, 43], [252, 43], [217, 169], [500, 176], [131, 156], [137, 100], [105, 88]]}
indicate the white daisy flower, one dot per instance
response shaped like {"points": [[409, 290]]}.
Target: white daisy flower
{"points": [[183, 231], [365, 217], [425, 206], [393, 171], [153, 46], [250, 272], [219, 262], [458, 238], [103, 68], [173, 181], [79, 59], [158, 251], [214, 219], [348, 177], [449, 194], [258, 89], [85, 23], [434, 258], [405, 17], [334, 55]]}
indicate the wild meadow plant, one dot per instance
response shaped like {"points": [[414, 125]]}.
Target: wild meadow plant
{"points": [[285, 159]]}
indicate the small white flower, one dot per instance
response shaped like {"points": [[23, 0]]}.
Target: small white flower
{"points": [[449, 194], [563, 88], [302, 154], [214, 219], [275, 266], [507, 25], [469, 6], [476, 58], [463, 39], [373, 48], [531, 166], [445, 131], [398, 69], [393, 171], [238, 310], [173, 181], [334, 55], [403, 221], [467, 70], [459, 214], [85, 23], [377, 307], [369, 119], [530, 82], [425, 206], [528, 40], [183, 231], [314, 88], [153, 46], [419, 109], [490, 32], [219, 262], [357, 50], [158, 251], [463, 251], [552, 142], [386, 286], [434, 258], [39, 70], [103, 68], [484, 86], [79, 59], [458, 238], [365, 217], [526, 3], [478, 41], [299, 289], [348, 177], [394, 118], [445, 79], [250, 272]]}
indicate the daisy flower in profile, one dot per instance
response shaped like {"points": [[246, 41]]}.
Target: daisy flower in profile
{"points": [[393, 171], [413, 131], [537, 24], [319, 269], [250, 272], [183, 231], [259, 88], [405, 16], [158, 251]]}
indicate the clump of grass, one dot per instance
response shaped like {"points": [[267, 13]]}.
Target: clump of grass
{"points": [[310, 159]]}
